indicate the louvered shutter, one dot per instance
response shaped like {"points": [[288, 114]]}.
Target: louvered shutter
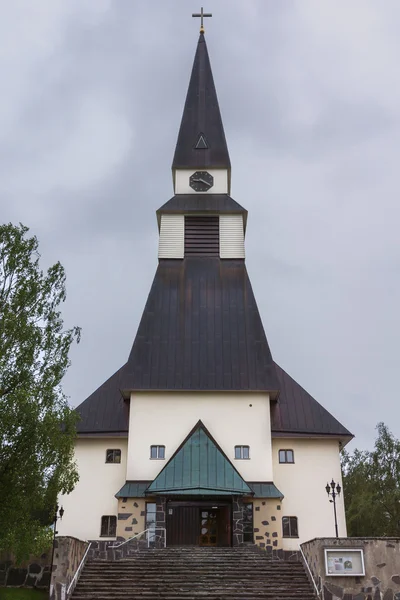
{"points": [[201, 236]]}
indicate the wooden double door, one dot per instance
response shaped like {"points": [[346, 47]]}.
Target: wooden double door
{"points": [[198, 524]]}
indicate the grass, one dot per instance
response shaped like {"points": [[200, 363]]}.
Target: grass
{"points": [[21, 594]]}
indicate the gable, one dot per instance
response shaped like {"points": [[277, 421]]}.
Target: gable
{"points": [[199, 466]]}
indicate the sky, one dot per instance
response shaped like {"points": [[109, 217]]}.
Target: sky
{"points": [[92, 96]]}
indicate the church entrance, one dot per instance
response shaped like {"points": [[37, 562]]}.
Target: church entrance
{"points": [[199, 523]]}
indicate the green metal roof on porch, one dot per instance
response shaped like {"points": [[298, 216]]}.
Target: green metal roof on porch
{"points": [[265, 489], [199, 466], [133, 489]]}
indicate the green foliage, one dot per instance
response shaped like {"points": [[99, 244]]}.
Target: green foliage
{"points": [[372, 487], [22, 594], [37, 427]]}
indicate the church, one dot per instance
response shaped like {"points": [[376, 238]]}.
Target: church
{"points": [[200, 438]]}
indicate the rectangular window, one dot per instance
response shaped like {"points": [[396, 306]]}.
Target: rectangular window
{"points": [[151, 522], [248, 522], [289, 527], [157, 452], [286, 456], [201, 236], [108, 526], [242, 452], [113, 456]]}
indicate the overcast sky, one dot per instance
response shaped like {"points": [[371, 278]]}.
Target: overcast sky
{"points": [[92, 96]]}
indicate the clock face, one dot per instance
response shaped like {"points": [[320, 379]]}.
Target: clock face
{"points": [[201, 181]]}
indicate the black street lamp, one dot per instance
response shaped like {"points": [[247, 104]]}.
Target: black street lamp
{"points": [[333, 489], [57, 514]]}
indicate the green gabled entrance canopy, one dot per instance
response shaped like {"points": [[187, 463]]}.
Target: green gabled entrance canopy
{"points": [[199, 466]]}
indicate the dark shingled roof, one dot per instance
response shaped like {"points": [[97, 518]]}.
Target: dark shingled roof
{"points": [[105, 410], [200, 330], [201, 116], [219, 203], [298, 412], [210, 203]]}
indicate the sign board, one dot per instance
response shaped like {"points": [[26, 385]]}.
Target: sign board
{"points": [[342, 562]]}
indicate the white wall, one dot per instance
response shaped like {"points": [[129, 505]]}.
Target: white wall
{"points": [[172, 236], [167, 418], [231, 236], [303, 485], [93, 496], [220, 181]]}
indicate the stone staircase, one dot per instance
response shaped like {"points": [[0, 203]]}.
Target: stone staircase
{"points": [[193, 573]]}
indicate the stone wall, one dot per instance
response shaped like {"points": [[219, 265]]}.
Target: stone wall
{"points": [[131, 517], [68, 553], [34, 572], [237, 521], [267, 523], [382, 569]]}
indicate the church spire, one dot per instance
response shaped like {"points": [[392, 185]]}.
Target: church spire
{"points": [[201, 139]]}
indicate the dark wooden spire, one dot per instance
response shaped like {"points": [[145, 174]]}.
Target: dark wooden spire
{"points": [[201, 139]]}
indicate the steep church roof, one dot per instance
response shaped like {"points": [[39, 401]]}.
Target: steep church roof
{"points": [[201, 139], [201, 331], [295, 413]]}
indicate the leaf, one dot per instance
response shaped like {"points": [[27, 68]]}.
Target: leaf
{"points": [[37, 426]]}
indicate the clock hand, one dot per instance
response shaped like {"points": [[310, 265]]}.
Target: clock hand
{"points": [[202, 181]]}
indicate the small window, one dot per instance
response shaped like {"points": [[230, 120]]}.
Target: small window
{"points": [[289, 527], [286, 456], [108, 526], [113, 456], [242, 452], [248, 522], [157, 452]]}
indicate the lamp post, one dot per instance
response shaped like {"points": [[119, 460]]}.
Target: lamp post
{"points": [[57, 514], [333, 489]]}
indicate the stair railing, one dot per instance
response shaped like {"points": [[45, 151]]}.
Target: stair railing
{"points": [[75, 578], [138, 535], [317, 591]]}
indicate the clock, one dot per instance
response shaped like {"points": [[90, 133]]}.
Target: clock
{"points": [[201, 181]]}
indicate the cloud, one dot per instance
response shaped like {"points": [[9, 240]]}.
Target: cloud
{"points": [[309, 93]]}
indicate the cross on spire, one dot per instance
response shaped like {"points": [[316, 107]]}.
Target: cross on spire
{"points": [[201, 14]]}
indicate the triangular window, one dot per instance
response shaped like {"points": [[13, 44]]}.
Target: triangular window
{"points": [[201, 143]]}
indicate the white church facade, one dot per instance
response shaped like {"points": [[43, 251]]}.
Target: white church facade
{"points": [[201, 438]]}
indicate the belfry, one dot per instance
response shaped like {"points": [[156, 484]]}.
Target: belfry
{"points": [[200, 438]]}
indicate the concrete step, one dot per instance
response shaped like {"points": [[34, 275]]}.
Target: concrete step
{"points": [[193, 574]]}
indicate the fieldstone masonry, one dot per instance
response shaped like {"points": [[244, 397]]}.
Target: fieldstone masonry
{"points": [[68, 553], [237, 528], [34, 572], [382, 569], [267, 527], [131, 517]]}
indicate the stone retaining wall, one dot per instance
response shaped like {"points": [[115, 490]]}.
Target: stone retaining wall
{"points": [[68, 553], [382, 569], [34, 572]]}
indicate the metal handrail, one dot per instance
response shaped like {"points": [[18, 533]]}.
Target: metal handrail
{"points": [[74, 580], [141, 533], [318, 592]]}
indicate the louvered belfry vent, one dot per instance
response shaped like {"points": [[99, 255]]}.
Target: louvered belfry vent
{"points": [[201, 236]]}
